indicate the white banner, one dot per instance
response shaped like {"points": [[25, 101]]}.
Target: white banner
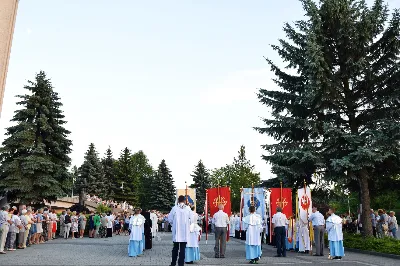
{"points": [[305, 204]]}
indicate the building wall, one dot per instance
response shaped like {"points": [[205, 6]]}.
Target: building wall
{"points": [[8, 13]]}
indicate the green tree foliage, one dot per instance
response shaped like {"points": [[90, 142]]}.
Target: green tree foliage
{"points": [[201, 182], [35, 155], [338, 112], [126, 182], [91, 174], [164, 187], [240, 173], [143, 172], [109, 165]]}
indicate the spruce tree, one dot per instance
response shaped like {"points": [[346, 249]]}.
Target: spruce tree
{"points": [[243, 175], [143, 174], [126, 181], [201, 182], [338, 113], [34, 157], [91, 174], [165, 187], [108, 163]]}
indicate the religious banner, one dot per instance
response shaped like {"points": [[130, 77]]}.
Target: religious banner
{"points": [[189, 193], [281, 197], [305, 203], [254, 196], [216, 196]]}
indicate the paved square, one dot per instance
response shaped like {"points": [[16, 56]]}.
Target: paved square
{"points": [[113, 251]]}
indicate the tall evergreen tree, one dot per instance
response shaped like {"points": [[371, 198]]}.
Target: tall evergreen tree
{"points": [[201, 182], [91, 174], [339, 114], [143, 172], [241, 173], [109, 170], [126, 179], [165, 187], [35, 155]]}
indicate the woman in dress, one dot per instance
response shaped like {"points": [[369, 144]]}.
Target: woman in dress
{"points": [[74, 224], [54, 219], [39, 226], [135, 247], [103, 226], [82, 224]]}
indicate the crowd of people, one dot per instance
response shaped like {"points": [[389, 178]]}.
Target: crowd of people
{"points": [[24, 227]]}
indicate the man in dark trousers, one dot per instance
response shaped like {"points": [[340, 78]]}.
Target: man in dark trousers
{"points": [[279, 221], [147, 229], [180, 217]]}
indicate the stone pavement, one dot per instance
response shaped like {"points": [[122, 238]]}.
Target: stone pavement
{"points": [[113, 251]]}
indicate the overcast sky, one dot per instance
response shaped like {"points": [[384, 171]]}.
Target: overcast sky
{"points": [[176, 79]]}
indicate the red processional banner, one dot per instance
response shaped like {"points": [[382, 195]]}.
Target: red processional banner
{"points": [[216, 196], [281, 197]]}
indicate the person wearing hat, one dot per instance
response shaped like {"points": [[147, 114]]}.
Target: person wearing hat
{"points": [[5, 222]]}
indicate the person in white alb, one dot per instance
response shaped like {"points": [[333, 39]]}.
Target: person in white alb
{"points": [[180, 218], [192, 251], [232, 225], [253, 226], [221, 221], [279, 222], [154, 223]]}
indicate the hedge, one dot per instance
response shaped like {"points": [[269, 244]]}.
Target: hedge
{"points": [[385, 245]]}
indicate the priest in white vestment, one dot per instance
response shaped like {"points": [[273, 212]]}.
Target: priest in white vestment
{"points": [[180, 218], [232, 223], [253, 226], [154, 223], [335, 235], [304, 235], [192, 251], [136, 244], [237, 227]]}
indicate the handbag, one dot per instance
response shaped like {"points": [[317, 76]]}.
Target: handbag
{"points": [[385, 227]]}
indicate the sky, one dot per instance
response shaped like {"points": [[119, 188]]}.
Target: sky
{"points": [[176, 79]]}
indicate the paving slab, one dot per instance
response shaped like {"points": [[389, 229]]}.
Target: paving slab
{"points": [[113, 251]]}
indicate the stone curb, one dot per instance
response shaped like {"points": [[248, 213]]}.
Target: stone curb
{"points": [[374, 253]]}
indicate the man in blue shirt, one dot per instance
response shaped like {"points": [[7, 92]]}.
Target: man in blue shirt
{"points": [[318, 222]]}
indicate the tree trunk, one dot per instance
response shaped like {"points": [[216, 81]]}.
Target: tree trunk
{"points": [[366, 204], [82, 197]]}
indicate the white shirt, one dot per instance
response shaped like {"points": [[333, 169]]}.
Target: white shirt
{"points": [[220, 219], [110, 221], [4, 218], [279, 219]]}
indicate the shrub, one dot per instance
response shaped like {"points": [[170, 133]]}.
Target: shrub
{"points": [[382, 245], [103, 208]]}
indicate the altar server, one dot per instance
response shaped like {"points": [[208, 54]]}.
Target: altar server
{"points": [[253, 226], [335, 235], [192, 251], [136, 222], [180, 217]]}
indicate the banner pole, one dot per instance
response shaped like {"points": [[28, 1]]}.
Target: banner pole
{"points": [[186, 193], [206, 213], [308, 223]]}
